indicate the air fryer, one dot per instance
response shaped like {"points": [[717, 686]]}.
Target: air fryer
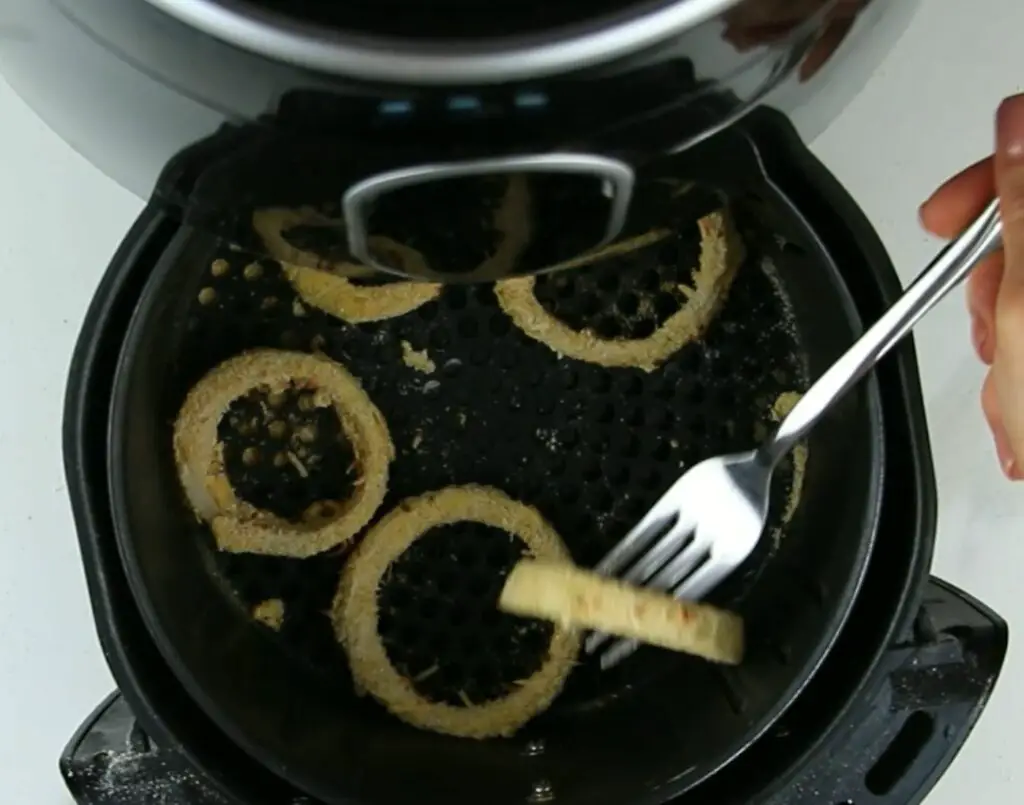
{"points": [[465, 146]]}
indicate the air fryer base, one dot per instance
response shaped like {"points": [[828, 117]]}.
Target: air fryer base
{"points": [[891, 746], [898, 709]]}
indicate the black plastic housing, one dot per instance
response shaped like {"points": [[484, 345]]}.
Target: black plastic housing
{"points": [[772, 767]]}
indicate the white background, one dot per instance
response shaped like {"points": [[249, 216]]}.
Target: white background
{"points": [[926, 113]]}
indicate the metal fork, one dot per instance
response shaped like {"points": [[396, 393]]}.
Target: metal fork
{"points": [[712, 518]]}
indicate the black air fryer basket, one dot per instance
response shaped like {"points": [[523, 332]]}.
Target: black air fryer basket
{"points": [[656, 727]]}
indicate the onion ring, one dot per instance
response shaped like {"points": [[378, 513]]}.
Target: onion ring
{"points": [[782, 406], [355, 613], [720, 255], [237, 525], [326, 284]]}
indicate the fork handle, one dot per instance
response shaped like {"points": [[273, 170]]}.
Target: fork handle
{"points": [[953, 264]]}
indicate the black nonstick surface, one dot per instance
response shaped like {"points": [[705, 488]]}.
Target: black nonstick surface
{"points": [[591, 448]]}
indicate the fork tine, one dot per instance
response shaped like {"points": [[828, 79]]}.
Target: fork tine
{"points": [[681, 566], [653, 524], [703, 579], [617, 652], [675, 539], [642, 570]]}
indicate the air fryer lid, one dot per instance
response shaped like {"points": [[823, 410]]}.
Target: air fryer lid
{"points": [[646, 734], [446, 20]]}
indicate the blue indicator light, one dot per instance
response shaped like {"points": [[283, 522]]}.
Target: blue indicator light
{"points": [[464, 103], [531, 100], [395, 107]]}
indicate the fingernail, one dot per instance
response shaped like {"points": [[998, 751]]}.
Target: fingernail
{"points": [[1007, 460], [1010, 127]]}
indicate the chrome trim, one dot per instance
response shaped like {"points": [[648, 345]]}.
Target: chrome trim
{"points": [[399, 61], [358, 199]]}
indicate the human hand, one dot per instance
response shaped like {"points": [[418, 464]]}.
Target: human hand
{"points": [[766, 22], [995, 289]]}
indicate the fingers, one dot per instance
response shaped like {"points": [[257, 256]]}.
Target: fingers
{"points": [[990, 406], [982, 292], [1006, 411], [960, 200], [946, 214], [1009, 180], [828, 43], [995, 295]]}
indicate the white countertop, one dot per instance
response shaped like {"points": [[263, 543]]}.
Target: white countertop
{"points": [[926, 113]]}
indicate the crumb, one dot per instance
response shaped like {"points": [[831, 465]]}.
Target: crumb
{"points": [[418, 360], [270, 613], [300, 468], [462, 419], [307, 434], [298, 309], [253, 271], [549, 438], [417, 440]]}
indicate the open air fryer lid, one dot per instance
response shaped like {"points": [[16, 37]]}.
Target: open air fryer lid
{"points": [[534, 132], [454, 42]]}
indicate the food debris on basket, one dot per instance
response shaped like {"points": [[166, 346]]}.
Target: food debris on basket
{"points": [[417, 359], [270, 613]]}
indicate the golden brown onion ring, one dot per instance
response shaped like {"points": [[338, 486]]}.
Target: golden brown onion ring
{"points": [[720, 255], [326, 284], [355, 613], [237, 525]]}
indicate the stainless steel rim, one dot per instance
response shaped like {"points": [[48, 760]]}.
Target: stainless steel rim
{"points": [[400, 61]]}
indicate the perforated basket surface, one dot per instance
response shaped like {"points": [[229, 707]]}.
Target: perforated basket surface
{"points": [[591, 448]]}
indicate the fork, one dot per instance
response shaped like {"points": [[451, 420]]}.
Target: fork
{"points": [[711, 519]]}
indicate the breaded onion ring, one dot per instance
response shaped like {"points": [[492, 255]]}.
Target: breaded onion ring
{"points": [[720, 255], [325, 284], [237, 525], [355, 613]]}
